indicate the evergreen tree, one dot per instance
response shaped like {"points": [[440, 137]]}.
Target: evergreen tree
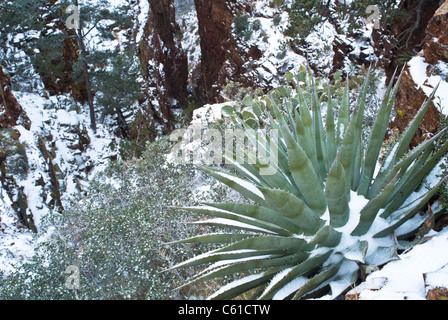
{"points": [[28, 21]]}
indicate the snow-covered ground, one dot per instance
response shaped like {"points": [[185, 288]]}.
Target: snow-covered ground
{"points": [[50, 117], [419, 70], [421, 268]]}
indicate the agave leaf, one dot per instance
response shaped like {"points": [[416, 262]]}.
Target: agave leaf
{"points": [[292, 208], [225, 268], [240, 286], [215, 238], [357, 165], [236, 225], [285, 245], [261, 140], [305, 268], [290, 288], [407, 212], [382, 255], [370, 211], [253, 221], [336, 192], [305, 177], [256, 170], [292, 122], [377, 136], [269, 263], [356, 252], [327, 237], [308, 140], [318, 280], [409, 133], [221, 255], [246, 169], [344, 114], [260, 213], [352, 135], [403, 142], [408, 179], [319, 133], [331, 133], [403, 164], [244, 187], [413, 181], [348, 274]]}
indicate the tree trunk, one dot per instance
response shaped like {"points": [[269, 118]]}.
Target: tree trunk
{"points": [[86, 75]]}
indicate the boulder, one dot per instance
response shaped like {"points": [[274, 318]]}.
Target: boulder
{"points": [[11, 112]]}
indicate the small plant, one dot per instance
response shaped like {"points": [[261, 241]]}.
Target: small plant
{"points": [[276, 3], [303, 16], [325, 214], [242, 27], [115, 236]]}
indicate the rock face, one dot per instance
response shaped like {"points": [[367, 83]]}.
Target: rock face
{"points": [[221, 59], [435, 48], [405, 34], [173, 57], [61, 81], [11, 112], [410, 96], [165, 68]]}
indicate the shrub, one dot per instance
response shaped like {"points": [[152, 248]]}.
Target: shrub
{"points": [[303, 16], [242, 26], [115, 236]]}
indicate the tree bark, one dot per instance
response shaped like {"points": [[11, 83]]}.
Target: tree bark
{"points": [[174, 58], [86, 75]]}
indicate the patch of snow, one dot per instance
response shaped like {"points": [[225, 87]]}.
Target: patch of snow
{"points": [[418, 69], [405, 279]]}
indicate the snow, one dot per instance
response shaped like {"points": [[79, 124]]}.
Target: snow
{"points": [[50, 117], [143, 10], [418, 69], [404, 278], [15, 244]]}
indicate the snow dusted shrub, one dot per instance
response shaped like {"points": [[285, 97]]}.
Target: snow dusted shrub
{"points": [[242, 27], [327, 213], [115, 236]]}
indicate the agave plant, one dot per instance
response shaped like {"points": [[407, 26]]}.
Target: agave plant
{"points": [[330, 210]]}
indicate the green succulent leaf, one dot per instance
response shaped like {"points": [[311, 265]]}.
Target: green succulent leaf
{"points": [[336, 192], [305, 177], [376, 137], [292, 208], [317, 281]]}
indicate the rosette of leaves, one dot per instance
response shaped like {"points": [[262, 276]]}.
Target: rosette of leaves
{"points": [[330, 209]]}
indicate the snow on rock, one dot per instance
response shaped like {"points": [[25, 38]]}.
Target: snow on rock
{"points": [[78, 154], [404, 279], [419, 72]]}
